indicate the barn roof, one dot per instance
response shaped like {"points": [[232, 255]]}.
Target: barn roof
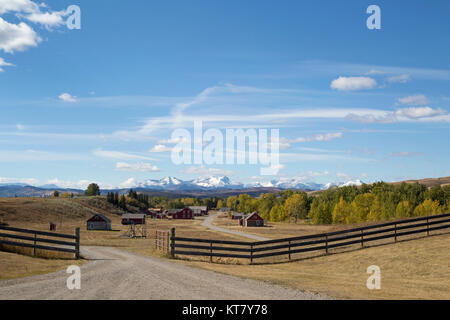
{"points": [[101, 216], [133, 216], [198, 207], [246, 217]]}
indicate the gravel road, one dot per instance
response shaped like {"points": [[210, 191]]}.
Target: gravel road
{"points": [[112, 273], [208, 223]]}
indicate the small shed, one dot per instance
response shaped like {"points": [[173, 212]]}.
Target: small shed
{"points": [[133, 218], [185, 213], [252, 220], [98, 222], [199, 210], [224, 209]]}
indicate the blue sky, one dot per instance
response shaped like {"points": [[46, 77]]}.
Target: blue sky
{"points": [[99, 103]]}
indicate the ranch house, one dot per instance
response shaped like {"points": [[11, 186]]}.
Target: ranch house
{"points": [[199, 210], [185, 213], [252, 220], [98, 222]]}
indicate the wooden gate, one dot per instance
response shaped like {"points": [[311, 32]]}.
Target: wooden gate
{"points": [[162, 241]]}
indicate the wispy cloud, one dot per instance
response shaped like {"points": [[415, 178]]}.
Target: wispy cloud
{"points": [[118, 155], [418, 99], [140, 166]]}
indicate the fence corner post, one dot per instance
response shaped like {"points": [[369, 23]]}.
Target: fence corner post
{"points": [[77, 243], [172, 242]]}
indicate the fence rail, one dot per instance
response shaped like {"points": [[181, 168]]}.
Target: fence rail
{"points": [[34, 240], [316, 242]]}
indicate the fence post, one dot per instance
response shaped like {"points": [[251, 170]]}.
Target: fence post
{"points": [[167, 240], [210, 252], [77, 243], [289, 252], [326, 244], [362, 238], [251, 253], [172, 242], [428, 227], [34, 248], [395, 230]]}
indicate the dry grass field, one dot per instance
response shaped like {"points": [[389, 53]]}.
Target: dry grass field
{"points": [[68, 214], [274, 230], [416, 269]]}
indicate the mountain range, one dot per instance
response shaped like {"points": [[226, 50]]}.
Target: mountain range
{"points": [[170, 185]]}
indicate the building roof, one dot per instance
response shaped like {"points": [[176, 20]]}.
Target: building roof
{"points": [[101, 216], [198, 207], [247, 216], [133, 216], [238, 214]]}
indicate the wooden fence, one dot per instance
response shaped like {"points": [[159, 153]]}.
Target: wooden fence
{"points": [[162, 241], [36, 238], [317, 242]]}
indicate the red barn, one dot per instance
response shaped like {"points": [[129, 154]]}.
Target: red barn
{"points": [[252, 220], [133, 218], [185, 213]]}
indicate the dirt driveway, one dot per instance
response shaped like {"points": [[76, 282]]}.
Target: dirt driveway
{"points": [[112, 273]]}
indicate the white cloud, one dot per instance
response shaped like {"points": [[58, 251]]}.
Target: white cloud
{"points": [[129, 183], [20, 127], [67, 97], [353, 83], [18, 6], [160, 148], [119, 155], [420, 112], [48, 19], [3, 63], [80, 184], [320, 137], [402, 78], [415, 100], [17, 37], [140, 166], [387, 117], [29, 181]]}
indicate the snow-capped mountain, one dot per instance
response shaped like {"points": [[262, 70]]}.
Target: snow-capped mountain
{"points": [[216, 182], [210, 183], [224, 182], [287, 183]]}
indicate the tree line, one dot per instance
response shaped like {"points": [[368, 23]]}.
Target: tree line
{"points": [[375, 202]]}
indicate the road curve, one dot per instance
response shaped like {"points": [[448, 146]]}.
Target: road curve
{"points": [[208, 223], [112, 273]]}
